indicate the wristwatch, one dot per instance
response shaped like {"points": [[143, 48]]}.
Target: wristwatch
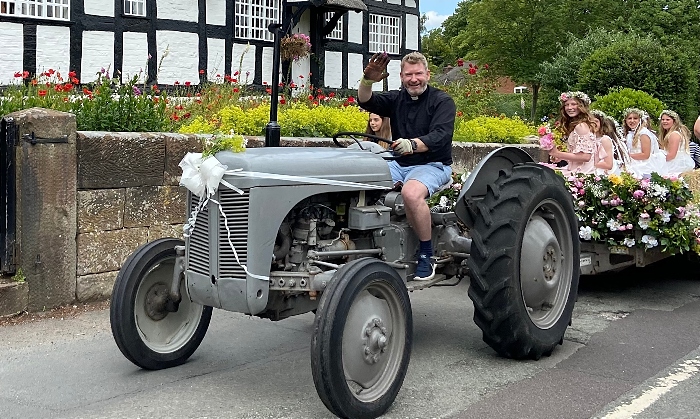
{"points": [[414, 145]]}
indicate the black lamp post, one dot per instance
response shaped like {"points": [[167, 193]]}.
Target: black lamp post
{"points": [[273, 130]]}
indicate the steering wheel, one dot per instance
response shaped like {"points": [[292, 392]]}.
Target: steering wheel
{"points": [[371, 137]]}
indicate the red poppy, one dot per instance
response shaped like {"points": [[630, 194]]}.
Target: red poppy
{"points": [[311, 97], [459, 113], [235, 90], [72, 74], [42, 93], [331, 95], [486, 66], [283, 101], [460, 62], [351, 99], [177, 83], [188, 84], [18, 74], [268, 91], [75, 80], [472, 70], [25, 74], [201, 71]]}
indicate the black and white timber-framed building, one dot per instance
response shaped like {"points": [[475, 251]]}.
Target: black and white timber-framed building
{"points": [[169, 41]]}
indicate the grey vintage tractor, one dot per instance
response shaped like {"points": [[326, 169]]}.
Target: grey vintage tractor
{"points": [[321, 229]]}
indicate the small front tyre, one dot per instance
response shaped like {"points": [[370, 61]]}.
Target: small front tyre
{"points": [[361, 343], [146, 333]]}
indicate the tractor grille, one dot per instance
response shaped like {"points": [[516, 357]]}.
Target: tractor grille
{"points": [[236, 208]]}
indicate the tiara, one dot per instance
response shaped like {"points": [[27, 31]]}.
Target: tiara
{"points": [[599, 114], [642, 114], [670, 113], [575, 95]]}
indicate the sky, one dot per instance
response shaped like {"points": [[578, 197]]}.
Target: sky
{"points": [[437, 11]]}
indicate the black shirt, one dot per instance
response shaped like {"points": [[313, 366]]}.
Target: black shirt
{"points": [[430, 117]]}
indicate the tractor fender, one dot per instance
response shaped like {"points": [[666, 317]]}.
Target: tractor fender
{"points": [[485, 173]]}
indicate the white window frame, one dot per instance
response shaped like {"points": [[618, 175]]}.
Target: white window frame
{"points": [[520, 89], [135, 8], [384, 33], [337, 32], [254, 16], [36, 9]]}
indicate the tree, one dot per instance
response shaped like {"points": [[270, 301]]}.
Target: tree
{"points": [[642, 64], [437, 49], [513, 37]]}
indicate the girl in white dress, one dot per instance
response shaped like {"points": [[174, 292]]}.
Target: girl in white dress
{"points": [[674, 138], [642, 144]]}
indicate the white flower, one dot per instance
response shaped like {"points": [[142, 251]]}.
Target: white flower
{"points": [[613, 225], [628, 242], [643, 223], [444, 202], [649, 241], [658, 190], [665, 216], [585, 233]]}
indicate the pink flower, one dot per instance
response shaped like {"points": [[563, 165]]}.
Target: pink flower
{"points": [[581, 191], [546, 142], [630, 226], [563, 97], [542, 130], [638, 194], [604, 202], [658, 210]]}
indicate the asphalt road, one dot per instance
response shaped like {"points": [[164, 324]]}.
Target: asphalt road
{"points": [[632, 351]]}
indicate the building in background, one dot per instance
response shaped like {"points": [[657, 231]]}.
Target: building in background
{"points": [[178, 41]]}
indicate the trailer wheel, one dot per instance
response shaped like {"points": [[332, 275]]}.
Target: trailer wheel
{"points": [[524, 265], [361, 343], [146, 333]]}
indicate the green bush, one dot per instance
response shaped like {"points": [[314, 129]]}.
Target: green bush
{"points": [[617, 100], [296, 120], [642, 64], [486, 129], [510, 104]]}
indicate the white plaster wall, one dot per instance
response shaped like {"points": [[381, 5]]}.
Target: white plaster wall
{"points": [[216, 12], [300, 71], [355, 70], [179, 10], [98, 53], [99, 7], [182, 62], [53, 49], [267, 66], [410, 3], [333, 74], [355, 27], [12, 41], [135, 56], [247, 65], [216, 60], [394, 69], [412, 32]]}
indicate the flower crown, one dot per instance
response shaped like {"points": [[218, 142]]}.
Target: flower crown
{"points": [[598, 114], [670, 113], [575, 95], [643, 115]]}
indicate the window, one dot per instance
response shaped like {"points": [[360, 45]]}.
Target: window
{"points": [[384, 33], [135, 7], [254, 16], [44, 9], [336, 33]]}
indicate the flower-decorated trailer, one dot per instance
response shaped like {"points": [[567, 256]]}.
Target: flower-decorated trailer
{"points": [[625, 221]]}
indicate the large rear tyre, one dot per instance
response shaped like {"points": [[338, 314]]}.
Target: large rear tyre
{"points": [[524, 264], [361, 343], [146, 333]]}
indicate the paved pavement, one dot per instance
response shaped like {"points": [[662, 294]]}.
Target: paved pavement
{"points": [[634, 342]]}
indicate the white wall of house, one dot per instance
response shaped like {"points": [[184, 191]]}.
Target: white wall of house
{"points": [[99, 7], [59, 46], [216, 12], [103, 45], [135, 55], [187, 10], [181, 57], [11, 52], [53, 49]]}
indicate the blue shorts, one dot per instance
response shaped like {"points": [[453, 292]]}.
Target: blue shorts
{"points": [[432, 175]]}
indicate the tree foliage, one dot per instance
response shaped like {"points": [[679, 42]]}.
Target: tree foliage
{"points": [[642, 64]]}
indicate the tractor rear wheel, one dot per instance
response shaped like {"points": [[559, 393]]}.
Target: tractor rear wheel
{"points": [[524, 264]]}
